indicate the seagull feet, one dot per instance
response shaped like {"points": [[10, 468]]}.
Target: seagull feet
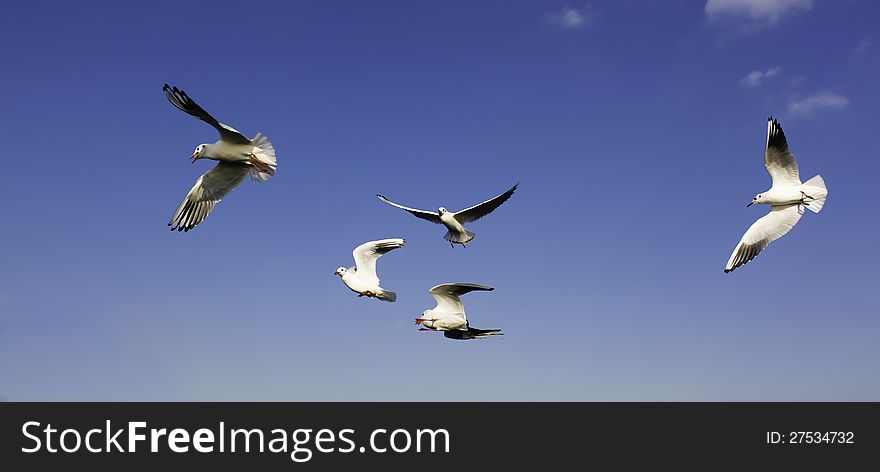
{"points": [[804, 197], [804, 201], [367, 293], [258, 164]]}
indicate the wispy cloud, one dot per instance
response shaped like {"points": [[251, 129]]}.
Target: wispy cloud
{"points": [[862, 46], [755, 78], [568, 17], [817, 102], [796, 82], [768, 11]]}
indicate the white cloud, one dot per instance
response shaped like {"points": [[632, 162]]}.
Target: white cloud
{"points": [[816, 102], [796, 81], [567, 17], [754, 79], [760, 10]]}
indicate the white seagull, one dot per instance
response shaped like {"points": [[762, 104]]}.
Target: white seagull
{"points": [[362, 278], [787, 198], [237, 156], [449, 316], [453, 221]]}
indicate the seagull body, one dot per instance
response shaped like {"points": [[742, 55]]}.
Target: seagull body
{"points": [[449, 315], [453, 221], [455, 230], [362, 278], [787, 197], [238, 156]]}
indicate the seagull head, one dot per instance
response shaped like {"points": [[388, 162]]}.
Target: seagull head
{"points": [[426, 320], [758, 199], [441, 210], [341, 271], [199, 153]]}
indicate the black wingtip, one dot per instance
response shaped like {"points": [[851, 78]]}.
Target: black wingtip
{"points": [[776, 136]]}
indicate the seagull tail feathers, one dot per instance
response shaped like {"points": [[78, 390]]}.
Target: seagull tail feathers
{"points": [[264, 163], [387, 296], [459, 238], [816, 189]]}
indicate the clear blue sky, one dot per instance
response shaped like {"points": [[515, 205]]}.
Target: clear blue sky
{"points": [[636, 129]]}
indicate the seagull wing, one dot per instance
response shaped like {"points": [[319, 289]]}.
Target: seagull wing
{"points": [[447, 297], [768, 228], [471, 333], [366, 254], [778, 160], [478, 211], [207, 192], [425, 215], [181, 100]]}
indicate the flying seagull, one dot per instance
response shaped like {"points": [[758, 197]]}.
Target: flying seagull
{"points": [[453, 221], [787, 198], [237, 155], [362, 278], [449, 316]]}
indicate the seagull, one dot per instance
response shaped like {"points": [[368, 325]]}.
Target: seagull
{"points": [[237, 155], [787, 198], [449, 316], [362, 278], [453, 221]]}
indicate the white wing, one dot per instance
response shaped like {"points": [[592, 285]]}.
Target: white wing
{"points": [[423, 214], [181, 100], [778, 160], [447, 297], [480, 210], [768, 228], [207, 192], [366, 254]]}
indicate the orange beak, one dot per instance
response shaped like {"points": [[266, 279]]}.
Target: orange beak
{"points": [[194, 157], [419, 321]]}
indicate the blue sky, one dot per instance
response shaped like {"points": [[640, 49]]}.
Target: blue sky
{"points": [[636, 129]]}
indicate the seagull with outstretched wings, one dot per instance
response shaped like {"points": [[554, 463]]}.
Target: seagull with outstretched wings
{"points": [[454, 220], [787, 197], [238, 156]]}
